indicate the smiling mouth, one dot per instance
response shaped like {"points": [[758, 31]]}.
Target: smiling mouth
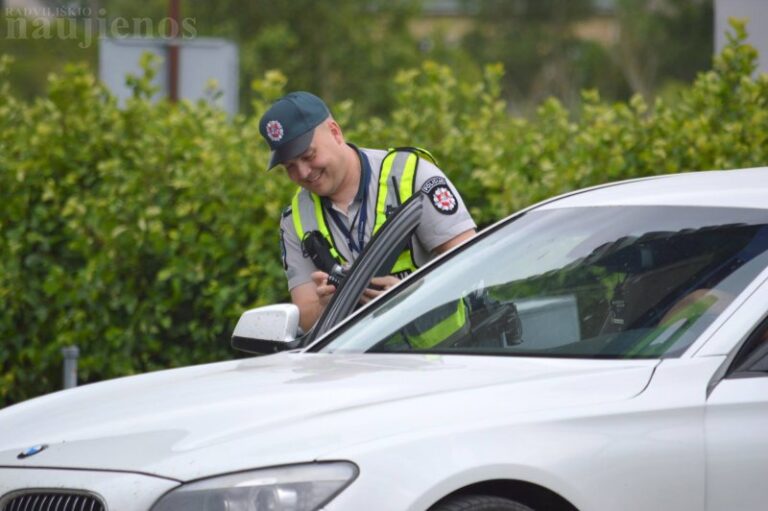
{"points": [[313, 179]]}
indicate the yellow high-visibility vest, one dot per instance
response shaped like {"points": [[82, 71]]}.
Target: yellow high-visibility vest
{"points": [[398, 167]]}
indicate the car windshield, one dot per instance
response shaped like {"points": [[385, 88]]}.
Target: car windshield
{"points": [[600, 282]]}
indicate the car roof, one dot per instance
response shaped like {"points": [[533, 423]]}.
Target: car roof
{"points": [[741, 188]]}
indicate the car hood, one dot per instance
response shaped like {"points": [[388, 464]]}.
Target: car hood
{"points": [[292, 407]]}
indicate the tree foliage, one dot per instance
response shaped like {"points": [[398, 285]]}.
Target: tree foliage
{"points": [[661, 42], [140, 233], [339, 49], [351, 49], [37, 52], [535, 41], [644, 44]]}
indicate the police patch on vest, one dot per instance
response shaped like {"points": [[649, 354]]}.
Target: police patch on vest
{"points": [[441, 195]]}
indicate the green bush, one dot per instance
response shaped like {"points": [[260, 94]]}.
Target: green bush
{"points": [[140, 232]]}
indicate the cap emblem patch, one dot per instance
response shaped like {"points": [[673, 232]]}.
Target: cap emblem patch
{"points": [[275, 131]]}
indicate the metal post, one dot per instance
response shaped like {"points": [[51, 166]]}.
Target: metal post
{"points": [[70, 354], [174, 10]]}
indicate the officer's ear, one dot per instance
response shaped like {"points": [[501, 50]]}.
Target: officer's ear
{"points": [[335, 130]]}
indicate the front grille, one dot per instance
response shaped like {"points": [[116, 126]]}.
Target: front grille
{"points": [[52, 501]]}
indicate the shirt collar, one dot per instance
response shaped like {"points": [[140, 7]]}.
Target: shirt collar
{"points": [[365, 177], [365, 173]]}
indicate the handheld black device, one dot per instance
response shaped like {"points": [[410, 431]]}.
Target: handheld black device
{"points": [[318, 249]]}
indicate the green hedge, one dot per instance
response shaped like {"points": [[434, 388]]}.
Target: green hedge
{"points": [[140, 232]]}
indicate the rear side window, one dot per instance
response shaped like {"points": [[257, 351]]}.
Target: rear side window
{"points": [[752, 359]]}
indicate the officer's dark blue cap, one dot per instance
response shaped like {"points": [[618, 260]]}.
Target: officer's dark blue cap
{"points": [[289, 125]]}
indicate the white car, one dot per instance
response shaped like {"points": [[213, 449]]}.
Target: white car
{"points": [[605, 350]]}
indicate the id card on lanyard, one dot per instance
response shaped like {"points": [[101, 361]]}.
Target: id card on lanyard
{"points": [[356, 245]]}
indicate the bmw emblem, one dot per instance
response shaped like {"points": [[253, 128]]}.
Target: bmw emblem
{"points": [[26, 453]]}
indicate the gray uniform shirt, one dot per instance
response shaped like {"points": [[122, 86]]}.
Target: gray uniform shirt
{"points": [[444, 216]]}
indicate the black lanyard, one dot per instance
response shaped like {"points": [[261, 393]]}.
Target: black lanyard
{"points": [[362, 214]]}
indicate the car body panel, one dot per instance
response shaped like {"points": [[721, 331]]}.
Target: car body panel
{"points": [[737, 444], [690, 189], [286, 408], [581, 453]]}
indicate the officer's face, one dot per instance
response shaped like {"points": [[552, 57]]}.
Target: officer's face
{"points": [[319, 169]]}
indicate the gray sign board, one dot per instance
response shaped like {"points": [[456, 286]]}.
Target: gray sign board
{"points": [[201, 60], [756, 11]]}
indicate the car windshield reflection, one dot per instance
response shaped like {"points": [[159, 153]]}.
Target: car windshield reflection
{"points": [[602, 282]]}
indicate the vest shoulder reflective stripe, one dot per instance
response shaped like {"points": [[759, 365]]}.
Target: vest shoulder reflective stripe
{"points": [[297, 225], [397, 167], [307, 215], [406, 262], [396, 178]]}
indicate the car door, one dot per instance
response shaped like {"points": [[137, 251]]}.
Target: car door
{"points": [[737, 431], [377, 258]]}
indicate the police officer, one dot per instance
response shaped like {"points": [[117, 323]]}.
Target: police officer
{"points": [[345, 194]]}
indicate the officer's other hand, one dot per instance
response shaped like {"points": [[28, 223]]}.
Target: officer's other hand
{"points": [[377, 287], [324, 289]]}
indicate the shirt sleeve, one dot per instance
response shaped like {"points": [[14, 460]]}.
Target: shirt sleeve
{"points": [[444, 215], [298, 269]]}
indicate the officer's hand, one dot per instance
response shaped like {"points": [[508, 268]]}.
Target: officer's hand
{"points": [[324, 289], [378, 286]]}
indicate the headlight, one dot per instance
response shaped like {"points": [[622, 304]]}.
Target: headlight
{"points": [[292, 488]]}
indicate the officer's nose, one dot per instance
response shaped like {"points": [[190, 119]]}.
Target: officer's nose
{"points": [[303, 169]]}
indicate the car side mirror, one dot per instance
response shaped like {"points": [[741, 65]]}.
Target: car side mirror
{"points": [[267, 329]]}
